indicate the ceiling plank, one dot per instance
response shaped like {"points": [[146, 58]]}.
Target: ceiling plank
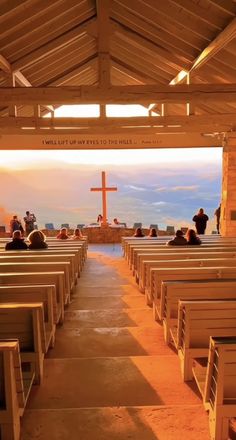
{"points": [[195, 93], [54, 45]]}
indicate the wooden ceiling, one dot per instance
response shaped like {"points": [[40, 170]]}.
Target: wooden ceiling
{"points": [[114, 43]]}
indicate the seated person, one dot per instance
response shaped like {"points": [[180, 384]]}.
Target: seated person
{"points": [[37, 240], [192, 237], [179, 239], [77, 235], [152, 232], [138, 233], [17, 242], [63, 234]]}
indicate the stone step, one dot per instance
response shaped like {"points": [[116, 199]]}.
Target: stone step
{"points": [[106, 342], [131, 423], [108, 318]]}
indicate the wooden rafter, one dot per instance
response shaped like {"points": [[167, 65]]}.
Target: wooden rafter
{"points": [[210, 51], [141, 94]]}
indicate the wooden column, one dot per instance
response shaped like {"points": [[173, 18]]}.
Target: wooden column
{"points": [[228, 204]]}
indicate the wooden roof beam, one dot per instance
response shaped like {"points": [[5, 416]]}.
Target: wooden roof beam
{"points": [[19, 77], [103, 22], [189, 123], [211, 50], [5, 65], [135, 94]]}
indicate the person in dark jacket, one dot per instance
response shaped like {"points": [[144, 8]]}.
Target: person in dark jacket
{"points": [[217, 214], [37, 240], [200, 220], [192, 238], [179, 239], [15, 225], [17, 242]]}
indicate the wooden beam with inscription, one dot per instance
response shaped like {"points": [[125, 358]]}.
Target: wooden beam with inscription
{"points": [[73, 141], [141, 94]]}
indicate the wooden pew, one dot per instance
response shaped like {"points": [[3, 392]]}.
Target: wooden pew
{"points": [[46, 252], [177, 255], [25, 323], [197, 321], [154, 248], [44, 259], [15, 385], [159, 248], [172, 292], [218, 384], [198, 261], [158, 276], [45, 294], [40, 267], [32, 278]]}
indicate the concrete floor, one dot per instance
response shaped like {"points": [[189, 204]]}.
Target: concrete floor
{"points": [[110, 375]]}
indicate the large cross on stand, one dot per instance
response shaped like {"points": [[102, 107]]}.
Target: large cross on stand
{"points": [[104, 190]]}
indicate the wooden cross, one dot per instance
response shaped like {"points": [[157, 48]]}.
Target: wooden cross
{"points": [[104, 190]]}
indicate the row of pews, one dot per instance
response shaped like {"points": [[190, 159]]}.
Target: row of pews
{"points": [[192, 291], [35, 288]]}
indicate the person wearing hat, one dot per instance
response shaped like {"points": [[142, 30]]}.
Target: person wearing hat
{"points": [[179, 239]]}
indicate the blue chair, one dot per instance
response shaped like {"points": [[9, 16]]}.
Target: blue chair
{"points": [[65, 225], [49, 226], [137, 225], [153, 226], [170, 230]]}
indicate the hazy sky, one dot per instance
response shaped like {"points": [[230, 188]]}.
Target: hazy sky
{"points": [[163, 186]]}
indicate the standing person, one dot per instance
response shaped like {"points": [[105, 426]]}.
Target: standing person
{"points": [[17, 242], [217, 214], [29, 220], [200, 220], [15, 225]]}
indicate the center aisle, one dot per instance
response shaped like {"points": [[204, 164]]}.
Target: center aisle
{"points": [[110, 374]]}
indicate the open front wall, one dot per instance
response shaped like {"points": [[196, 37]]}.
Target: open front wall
{"points": [[228, 207]]}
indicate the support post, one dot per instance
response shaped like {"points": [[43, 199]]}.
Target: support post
{"points": [[228, 203]]}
